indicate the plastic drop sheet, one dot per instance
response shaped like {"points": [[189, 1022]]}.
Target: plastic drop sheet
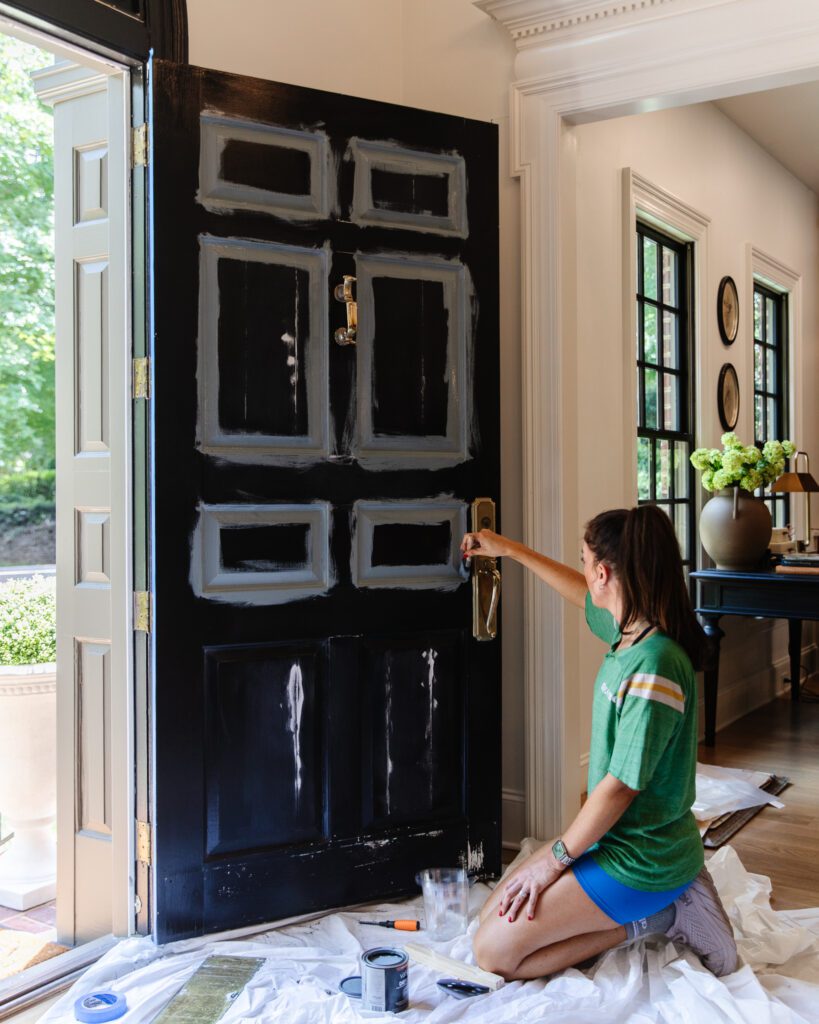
{"points": [[650, 981], [725, 790]]}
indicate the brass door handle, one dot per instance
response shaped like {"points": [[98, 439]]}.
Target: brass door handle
{"points": [[486, 577], [344, 293]]}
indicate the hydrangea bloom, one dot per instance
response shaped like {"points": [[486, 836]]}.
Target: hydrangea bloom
{"points": [[738, 465]]}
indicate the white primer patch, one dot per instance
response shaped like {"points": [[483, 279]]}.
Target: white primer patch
{"points": [[295, 704], [474, 858], [388, 731]]}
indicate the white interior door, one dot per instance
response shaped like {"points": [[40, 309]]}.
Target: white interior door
{"points": [[91, 103]]}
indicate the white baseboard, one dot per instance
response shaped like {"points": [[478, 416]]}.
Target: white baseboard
{"points": [[513, 820]]}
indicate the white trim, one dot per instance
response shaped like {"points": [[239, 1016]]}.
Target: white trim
{"points": [[513, 818], [776, 275], [529, 20], [643, 200], [716, 49]]}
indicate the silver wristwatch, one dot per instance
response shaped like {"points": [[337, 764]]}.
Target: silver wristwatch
{"points": [[561, 854]]}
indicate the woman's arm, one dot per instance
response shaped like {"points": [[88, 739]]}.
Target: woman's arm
{"points": [[606, 804], [568, 582]]}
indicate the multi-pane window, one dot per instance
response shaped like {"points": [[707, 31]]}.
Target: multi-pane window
{"points": [[665, 416], [770, 375]]}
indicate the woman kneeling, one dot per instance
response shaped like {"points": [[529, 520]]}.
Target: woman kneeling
{"points": [[631, 863]]}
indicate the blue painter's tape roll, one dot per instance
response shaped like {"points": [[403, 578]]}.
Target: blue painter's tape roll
{"points": [[99, 1007]]}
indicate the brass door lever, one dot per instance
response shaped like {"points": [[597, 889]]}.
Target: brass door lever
{"points": [[344, 293], [486, 577]]}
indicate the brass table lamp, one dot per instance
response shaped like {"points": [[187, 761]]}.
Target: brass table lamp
{"points": [[799, 483]]}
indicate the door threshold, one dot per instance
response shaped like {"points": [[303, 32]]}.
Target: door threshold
{"points": [[36, 983]]}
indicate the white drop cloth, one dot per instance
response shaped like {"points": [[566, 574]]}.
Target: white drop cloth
{"points": [[725, 790], [648, 982]]}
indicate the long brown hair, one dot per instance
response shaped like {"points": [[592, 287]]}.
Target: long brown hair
{"points": [[640, 547]]}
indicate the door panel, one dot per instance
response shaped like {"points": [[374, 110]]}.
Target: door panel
{"points": [[325, 725]]}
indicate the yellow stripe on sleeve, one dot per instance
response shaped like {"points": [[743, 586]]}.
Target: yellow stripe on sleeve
{"points": [[652, 687]]}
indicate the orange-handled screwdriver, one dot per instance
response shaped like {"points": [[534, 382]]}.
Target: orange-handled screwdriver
{"points": [[401, 926]]}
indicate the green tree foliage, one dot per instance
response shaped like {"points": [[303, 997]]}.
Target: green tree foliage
{"points": [[26, 264]]}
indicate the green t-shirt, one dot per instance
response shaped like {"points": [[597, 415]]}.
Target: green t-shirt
{"points": [[644, 733]]}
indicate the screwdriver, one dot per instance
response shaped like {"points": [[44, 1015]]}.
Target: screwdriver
{"points": [[402, 926]]}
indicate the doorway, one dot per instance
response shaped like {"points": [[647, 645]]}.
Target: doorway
{"points": [[75, 459]]}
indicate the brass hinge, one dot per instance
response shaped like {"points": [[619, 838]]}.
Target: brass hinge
{"points": [[142, 611], [143, 842], [140, 145], [141, 387]]}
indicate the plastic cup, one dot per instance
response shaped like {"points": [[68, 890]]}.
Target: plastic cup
{"points": [[446, 901]]}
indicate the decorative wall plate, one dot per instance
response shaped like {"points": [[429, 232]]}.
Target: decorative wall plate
{"points": [[728, 397], [728, 310]]}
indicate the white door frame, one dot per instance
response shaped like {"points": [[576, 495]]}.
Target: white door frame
{"points": [[95, 747], [588, 60]]}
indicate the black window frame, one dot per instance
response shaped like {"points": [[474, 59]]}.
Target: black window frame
{"points": [[778, 503], [129, 28], [684, 311]]}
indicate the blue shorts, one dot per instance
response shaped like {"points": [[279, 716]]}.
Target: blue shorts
{"points": [[620, 902]]}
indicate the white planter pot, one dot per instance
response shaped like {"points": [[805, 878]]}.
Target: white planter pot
{"points": [[28, 784]]}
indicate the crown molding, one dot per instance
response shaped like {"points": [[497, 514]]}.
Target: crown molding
{"points": [[539, 22]]}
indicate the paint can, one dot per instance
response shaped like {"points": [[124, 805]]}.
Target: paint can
{"points": [[384, 980]]}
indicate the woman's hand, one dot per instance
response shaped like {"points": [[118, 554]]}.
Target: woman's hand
{"points": [[525, 887], [485, 544]]}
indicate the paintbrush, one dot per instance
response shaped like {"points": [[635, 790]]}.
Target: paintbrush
{"points": [[402, 926]]}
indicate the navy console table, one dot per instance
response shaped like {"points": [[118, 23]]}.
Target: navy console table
{"points": [[767, 595]]}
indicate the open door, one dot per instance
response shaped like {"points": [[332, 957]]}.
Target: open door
{"points": [[325, 411], [93, 446]]}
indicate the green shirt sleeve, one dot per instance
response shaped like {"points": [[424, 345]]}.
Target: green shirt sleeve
{"points": [[652, 704], [601, 622], [643, 735]]}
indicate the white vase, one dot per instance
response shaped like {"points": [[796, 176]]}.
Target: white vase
{"points": [[28, 784]]}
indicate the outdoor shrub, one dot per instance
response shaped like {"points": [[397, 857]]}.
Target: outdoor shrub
{"points": [[28, 614], [31, 484], [26, 514]]}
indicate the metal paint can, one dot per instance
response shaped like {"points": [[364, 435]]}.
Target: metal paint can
{"points": [[384, 980]]}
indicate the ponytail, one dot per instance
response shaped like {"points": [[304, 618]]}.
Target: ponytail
{"points": [[640, 547]]}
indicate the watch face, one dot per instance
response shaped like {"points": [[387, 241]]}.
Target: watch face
{"points": [[728, 310]]}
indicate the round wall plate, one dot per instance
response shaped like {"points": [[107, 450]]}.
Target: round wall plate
{"points": [[728, 397], [728, 310]]}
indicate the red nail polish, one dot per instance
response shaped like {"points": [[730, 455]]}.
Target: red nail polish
{"points": [[531, 917], [500, 913], [510, 920]]}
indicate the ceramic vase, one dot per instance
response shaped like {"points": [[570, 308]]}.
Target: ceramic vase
{"points": [[735, 529], [28, 784]]}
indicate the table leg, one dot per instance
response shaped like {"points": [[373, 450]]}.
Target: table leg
{"points": [[715, 634], [795, 653]]}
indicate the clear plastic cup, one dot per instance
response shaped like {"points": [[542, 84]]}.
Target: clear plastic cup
{"points": [[446, 901]]}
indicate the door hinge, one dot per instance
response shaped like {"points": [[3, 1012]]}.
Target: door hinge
{"points": [[143, 842], [142, 611], [141, 386], [140, 145]]}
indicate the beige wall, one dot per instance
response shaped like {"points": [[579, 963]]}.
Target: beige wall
{"points": [[700, 156], [441, 55]]}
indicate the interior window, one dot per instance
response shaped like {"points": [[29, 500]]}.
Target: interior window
{"points": [[665, 416], [770, 376]]}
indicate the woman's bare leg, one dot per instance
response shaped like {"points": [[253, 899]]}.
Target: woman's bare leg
{"points": [[567, 929]]}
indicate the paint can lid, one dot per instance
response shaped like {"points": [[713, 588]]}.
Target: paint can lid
{"points": [[351, 986], [99, 1007]]}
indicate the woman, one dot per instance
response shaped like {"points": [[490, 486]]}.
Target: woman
{"points": [[631, 863]]}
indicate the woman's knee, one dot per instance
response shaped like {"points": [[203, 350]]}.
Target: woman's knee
{"points": [[490, 954]]}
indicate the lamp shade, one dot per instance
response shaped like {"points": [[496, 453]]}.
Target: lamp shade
{"points": [[799, 482]]}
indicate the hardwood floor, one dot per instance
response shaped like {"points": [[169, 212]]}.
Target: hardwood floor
{"points": [[781, 843]]}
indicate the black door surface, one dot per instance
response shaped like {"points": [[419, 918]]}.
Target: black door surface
{"points": [[324, 723]]}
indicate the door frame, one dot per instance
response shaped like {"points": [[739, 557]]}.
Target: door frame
{"points": [[576, 63]]}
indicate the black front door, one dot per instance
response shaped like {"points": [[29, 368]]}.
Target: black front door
{"points": [[324, 723]]}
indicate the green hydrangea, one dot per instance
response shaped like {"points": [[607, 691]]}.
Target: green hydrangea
{"points": [[738, 465], [28, 614]]}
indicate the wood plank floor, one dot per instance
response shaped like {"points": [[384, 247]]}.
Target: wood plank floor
{"points": [[783, 843]]}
